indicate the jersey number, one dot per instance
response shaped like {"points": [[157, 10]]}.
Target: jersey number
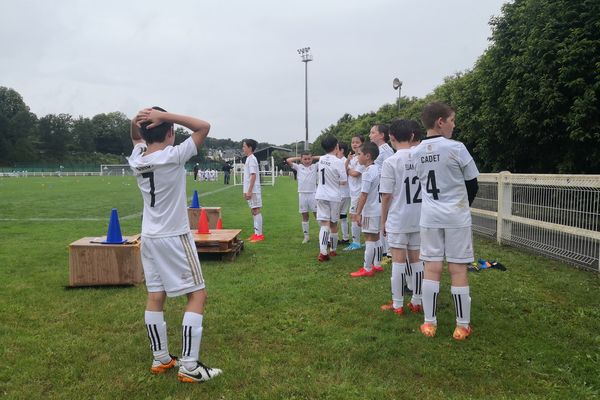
{"points": [[323, 176], [431, 186], [150, 175], [415, 198]]}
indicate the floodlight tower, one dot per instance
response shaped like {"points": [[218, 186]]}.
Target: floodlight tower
{"points": [[306, 58], [398, 86]]}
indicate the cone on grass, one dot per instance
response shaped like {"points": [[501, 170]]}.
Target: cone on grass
{"points": [[195, 202], [220, 223], [203, 222], [113, 236]]}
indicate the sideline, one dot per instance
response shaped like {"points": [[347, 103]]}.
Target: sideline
{"points": [[130, 216]]}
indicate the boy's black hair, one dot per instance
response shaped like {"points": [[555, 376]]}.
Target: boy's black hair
{"points": [[251, 143], [403, 130], [328, 143], [305, 153], [344, 148], [433, 111], [417, 130], [156, 134], [385, 130], [360, 137], [370, 148]]}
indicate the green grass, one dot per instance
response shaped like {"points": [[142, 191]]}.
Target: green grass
{"points": [[280, 325]]}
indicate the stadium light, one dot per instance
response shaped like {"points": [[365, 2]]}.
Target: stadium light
{"points": [[398, 86], [306, 58]]}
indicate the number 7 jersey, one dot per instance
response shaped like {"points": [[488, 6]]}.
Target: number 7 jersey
{"points": [[161, 179], [443, 166]]}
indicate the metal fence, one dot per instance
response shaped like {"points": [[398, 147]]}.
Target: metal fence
{"points": [[554, 215]]}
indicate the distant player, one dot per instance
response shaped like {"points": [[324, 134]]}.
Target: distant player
{"points": [[380, 135], [331, 173], [345, 192], [354, 171], [307, 186], [252, 192], [368, 211], [448, 178], [400, 213], [169, 258]]}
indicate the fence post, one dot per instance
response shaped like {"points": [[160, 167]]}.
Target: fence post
{"points": [[504, 206]]}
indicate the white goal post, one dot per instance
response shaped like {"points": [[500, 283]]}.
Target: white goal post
{"points": [[267, 173], [115, 170]]}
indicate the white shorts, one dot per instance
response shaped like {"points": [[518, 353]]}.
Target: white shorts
{"points": [[307, 202], [371, 224], [406, 241], [255, 201], [353, 205], [344, 205], [328, 210], [455, 244], [171, 265]]}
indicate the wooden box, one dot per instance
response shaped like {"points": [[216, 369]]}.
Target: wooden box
{"points": [[213, 214], [97, 264]]}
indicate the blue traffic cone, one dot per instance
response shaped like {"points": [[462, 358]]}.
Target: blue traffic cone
{"points": [[114, 229], [195, 202]]}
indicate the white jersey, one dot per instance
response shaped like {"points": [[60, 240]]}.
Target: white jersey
{"points": [[330, 173], [443, 166], [398, 177], [385, 152], [251, 167], [370, 185], [344, 189], [307, 177], [161, 179], [354, 182]]}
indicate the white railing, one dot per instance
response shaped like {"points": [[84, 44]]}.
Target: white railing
{"points": [[554, 215]]}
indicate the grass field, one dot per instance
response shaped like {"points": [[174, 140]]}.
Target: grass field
{"points": [[280, 325]]}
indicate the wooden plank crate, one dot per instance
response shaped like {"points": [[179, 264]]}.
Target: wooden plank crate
{"points": [[225, 242]]}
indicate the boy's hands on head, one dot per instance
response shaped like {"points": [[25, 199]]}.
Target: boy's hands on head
{"points": [[155, 117]]}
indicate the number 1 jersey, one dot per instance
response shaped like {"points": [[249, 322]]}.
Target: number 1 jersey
{"points": [[161, 179], [331, 172]]}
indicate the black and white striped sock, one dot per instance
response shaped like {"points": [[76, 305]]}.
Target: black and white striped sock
{"points": [[156, 328], [431, 289], [462, 305], [191, 339]]}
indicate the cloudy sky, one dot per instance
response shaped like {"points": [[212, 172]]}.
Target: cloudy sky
{"points": [[234, 62]]}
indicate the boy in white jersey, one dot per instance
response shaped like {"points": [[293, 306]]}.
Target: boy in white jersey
{"points": [[354, 171], [252, 192], [169, 257], [307, 185], [400, 213], [331, 173], [380, 135], [345, 191], [448, 178], [368, 211]]}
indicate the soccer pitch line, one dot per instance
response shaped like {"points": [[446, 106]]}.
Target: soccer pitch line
{"points": [[130, 216]]}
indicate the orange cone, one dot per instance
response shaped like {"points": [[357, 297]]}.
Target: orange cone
{"points": [[203, 222], [220, 224]]}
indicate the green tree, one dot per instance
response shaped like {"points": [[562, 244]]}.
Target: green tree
{"points": [[17, 128], [55, 135]]}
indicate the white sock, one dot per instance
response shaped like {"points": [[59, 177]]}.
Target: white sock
{"points": [[192, 336], [156, 328], [334, 241], [409, 275], [462, 305], [384, 244], [355, 233], [258, 224], [431, 289], [344, 223], [324, 239], [369, 255], [378, 254], [417, 282], [305, 228], [398, 279]]}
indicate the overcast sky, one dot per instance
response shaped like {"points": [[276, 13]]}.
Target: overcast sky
{"points": [[234, 63]]}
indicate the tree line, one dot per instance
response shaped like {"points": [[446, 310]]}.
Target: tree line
{"points": [[531, 103]]}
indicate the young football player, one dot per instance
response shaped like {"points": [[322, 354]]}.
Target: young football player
{"points": [[169, 257], [448, 178], [345, 191], [331, 173], [368, 211], [400, 213], [252, 192], [306, 173], [354, 170]]}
